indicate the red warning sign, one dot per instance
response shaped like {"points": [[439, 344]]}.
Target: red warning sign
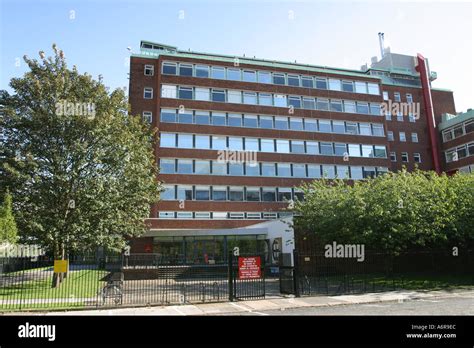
{"points": [[249, 267]]}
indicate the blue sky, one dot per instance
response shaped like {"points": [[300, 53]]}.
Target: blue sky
{"points": [[95, 36]]}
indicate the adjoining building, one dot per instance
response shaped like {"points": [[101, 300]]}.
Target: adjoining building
{"points": [[457, 138], [238, 135]]}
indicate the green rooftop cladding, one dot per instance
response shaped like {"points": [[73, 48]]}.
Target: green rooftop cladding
{"points": [[450, 120]]}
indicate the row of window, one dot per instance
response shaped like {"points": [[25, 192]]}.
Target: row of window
{"points": [[276, 78], [455, 154], [400, 117], [402, 137], [267, 169], [265, 99], [458, 131], [206, 215], [404, 157], [238, 193], [220, 142], [270, 122], [397, 98]]}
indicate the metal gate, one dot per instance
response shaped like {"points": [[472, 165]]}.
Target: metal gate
{"points": [[246, 277]]}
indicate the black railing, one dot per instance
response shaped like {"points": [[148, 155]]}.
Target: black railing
{"points": [[27, 283], [314, 273]]}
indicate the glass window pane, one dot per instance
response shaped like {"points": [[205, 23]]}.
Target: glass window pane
{"points": [[361, 87], [202, 167], [299, 170], [326, 149], [342, 172], [250, 98], [367, 151], [283, 146], [266, 122], [268, 194], [309, 103], [185, 141], [264, 77], [296, 123], [202, 193], [307, 81], [218, 119], [349, 106], [268, 169], [185, 92], [236, 193], [234, 96], [234, 120], [347, 86], [251, 144], [218, 72], [168, 115], [325, 126], [293, 80], [281, 123], [219, 142], [334, 85], [329, 172], [218, 95], [169, 68], [202, 71], [185, 192], [284, 169], [278, 79], [267, 145], [168, 194], [250, 76], [202, 117], [252, 194], [310, 125], [168, 91], [250, 121], [338, 127], [219, 193], [236, 143], [280, 100], [322, 104], [356, 173], [297, 146], [167, 166], [185, 166], [294, 101], [203, 142], [321, 83], [336, 105], [185, 116], [252, 169], [314, 171], [265, 99], [362, 108], [236, 169], [168, 140], [185, 69], [312, 148], [354, 150], [233, 74], [202, 94], [219, 168]]}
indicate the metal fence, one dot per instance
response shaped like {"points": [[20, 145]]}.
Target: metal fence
{"points": [[92, 282], [314, 273]]}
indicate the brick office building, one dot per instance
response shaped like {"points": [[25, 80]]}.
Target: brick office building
{"points": [[302, 121]]}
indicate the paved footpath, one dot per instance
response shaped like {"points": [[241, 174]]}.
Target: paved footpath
{"points": [[269, 304]]}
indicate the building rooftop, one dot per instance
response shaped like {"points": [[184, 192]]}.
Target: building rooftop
{"points": [[393, 69], [449, 120]]}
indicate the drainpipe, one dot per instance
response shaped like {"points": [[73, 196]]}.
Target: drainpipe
{"points": [[428, 102]]}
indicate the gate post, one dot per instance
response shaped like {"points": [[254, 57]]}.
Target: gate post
{"points": [[296, 273], [230, 276]]}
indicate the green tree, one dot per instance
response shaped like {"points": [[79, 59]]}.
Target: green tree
{"points": [[393, 212], [8, 229], [80, 169]]}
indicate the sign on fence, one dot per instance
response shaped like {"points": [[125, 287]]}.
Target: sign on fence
{"points": [[249, 267], [60, 266]]}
